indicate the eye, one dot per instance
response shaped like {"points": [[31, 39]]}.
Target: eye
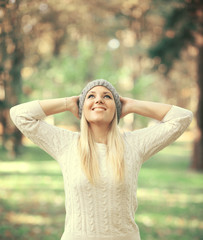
{"points": [[107, 96], [90, 96]]}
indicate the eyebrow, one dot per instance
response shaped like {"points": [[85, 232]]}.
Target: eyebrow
{"points": [[103, 92]]}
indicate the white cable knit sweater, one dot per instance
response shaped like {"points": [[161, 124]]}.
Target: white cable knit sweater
{"points": [[105, 211]]}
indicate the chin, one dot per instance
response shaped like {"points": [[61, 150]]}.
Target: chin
{"points": [[99, 121]]}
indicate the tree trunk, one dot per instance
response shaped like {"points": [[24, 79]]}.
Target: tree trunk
{"points": [[197, 159], [10, 77]]}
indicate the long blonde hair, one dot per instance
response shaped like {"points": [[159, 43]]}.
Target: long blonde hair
{"points": [[88, 151]]}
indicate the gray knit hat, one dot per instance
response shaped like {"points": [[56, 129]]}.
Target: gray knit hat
{"points": [[100, 82]]}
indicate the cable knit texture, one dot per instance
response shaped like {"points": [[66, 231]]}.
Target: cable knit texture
{"points": [[105, 211]]}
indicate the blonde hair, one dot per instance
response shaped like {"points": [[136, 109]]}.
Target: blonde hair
{"points": [[88, 151]]}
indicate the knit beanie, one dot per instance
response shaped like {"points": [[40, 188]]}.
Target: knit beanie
{"points": [[100, 82]]}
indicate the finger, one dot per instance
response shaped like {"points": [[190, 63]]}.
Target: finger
{"points": [[121, 98]]}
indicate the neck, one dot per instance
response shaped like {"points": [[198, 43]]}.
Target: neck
{"points": [[99, 133]]}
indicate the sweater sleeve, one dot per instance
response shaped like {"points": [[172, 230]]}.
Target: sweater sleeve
{"points": [[28, 118], [151, 140]]}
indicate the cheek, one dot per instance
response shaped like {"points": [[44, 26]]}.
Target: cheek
{"points": [[86, 105], [86, 108], [113, 110], [113, 107]]}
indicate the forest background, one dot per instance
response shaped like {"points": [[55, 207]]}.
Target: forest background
{"points": [[149, 49]]}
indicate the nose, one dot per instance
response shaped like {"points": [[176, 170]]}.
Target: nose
{"points": [[99, 100]]}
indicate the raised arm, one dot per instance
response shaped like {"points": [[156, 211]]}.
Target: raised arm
{"points": [[173, 121], [28, 118], [145, 108], [53, 106]]}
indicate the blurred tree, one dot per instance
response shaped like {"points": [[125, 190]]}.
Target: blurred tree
{"points": [[11, 56], [183, 27], [66, 44]]}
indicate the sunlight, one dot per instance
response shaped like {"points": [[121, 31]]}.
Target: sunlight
{"points": [[24, 218], [169, 221], [114, 43], [160, 195], [183, 222], [14, 166], [29, 167], [146, 220]]}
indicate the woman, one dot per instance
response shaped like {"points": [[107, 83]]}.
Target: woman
{"points": [[100, 165]]}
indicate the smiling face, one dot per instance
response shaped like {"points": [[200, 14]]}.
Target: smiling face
{"points": [[99, 106]]}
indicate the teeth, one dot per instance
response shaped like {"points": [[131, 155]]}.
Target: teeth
{"points": [[98, 108]]}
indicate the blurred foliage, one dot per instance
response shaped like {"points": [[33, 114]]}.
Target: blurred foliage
{"points": [[77, 35], [65, 44], [183, 29], [181, 21], [65, 75]]}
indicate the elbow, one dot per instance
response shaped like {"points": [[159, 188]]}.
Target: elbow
{"points": [[186, 121], [188, 118], [15, 115], [191, 115], [12, 113]]}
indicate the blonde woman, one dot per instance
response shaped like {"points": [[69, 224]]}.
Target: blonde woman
{"points": [[100, 165]]}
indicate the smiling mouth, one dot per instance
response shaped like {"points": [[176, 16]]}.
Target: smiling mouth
{"points": [[99, 108]]}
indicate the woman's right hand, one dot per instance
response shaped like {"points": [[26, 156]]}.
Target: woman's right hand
{"points": [[72, 105]]}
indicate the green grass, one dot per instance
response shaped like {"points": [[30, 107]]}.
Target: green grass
{"points": [[170, 197]]}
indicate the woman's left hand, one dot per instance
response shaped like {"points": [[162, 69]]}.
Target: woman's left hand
{"points": [[126, 106]]}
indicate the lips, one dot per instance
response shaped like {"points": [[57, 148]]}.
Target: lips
{"points": [[99, 108]]}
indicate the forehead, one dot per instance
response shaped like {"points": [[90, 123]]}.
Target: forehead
{"points": [[99, 89]]}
